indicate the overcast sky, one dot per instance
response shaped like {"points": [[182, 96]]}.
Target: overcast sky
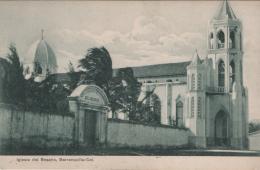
{"points": [[135, 33]]}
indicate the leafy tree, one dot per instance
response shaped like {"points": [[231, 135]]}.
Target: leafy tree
{"points": [[149, 107], [17, 82], [254, 126], [97, 65], [4, 79], [124, 92]]}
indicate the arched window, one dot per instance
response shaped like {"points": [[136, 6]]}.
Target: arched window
{"points": [[231, 74], [199, 81], [193, 82], [179, 113], [199, 107], [211, 41], [192, 107], [221, 74], [37, 68], [221, 39], [232, 40]]}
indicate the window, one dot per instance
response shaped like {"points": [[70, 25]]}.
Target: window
{"points": [[211, 41], [221, 74], [241, 71], [199, 81], [232, 40], [231, 74], [179, 113], [192, 82], [192, 107], [199, 107], [221, 39]]}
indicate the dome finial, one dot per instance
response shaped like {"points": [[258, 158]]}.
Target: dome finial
{"points": [[42, 33]]}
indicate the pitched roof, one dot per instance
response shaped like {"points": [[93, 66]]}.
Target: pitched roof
{"points": [[225, 11], [170, 69], [196, 59]]}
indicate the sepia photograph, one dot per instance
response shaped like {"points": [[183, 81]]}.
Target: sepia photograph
{"points": [[129, 78]]}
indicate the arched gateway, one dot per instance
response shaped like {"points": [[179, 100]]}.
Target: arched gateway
{"points": [[89, 103]]}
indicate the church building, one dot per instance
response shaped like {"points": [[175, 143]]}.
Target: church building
{"points": [[206, 95]]}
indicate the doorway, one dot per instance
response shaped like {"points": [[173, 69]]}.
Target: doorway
{"points": [[221, 129], [90, 127]]}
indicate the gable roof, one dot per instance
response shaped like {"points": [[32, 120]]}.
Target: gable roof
{"points": [[157, 70], [169, 69]]}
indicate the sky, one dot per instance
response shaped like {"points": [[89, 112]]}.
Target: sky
{"points": [[135, 33]]}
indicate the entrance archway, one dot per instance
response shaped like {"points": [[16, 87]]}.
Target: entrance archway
{"points": [[222, 129], [89, 103]]}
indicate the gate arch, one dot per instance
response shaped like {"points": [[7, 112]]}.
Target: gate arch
{"points": [[90, 106]]}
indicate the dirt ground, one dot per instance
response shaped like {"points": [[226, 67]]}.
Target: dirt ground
{"points": [[129, 152]]}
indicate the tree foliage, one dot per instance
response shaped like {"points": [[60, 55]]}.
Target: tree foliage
{"points": [[150, 108], [124, 90], [254, 126], [97, 65], [16, 83]]}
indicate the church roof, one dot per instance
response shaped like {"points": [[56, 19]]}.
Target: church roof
{"points": [[45, 56], [170, 69], [225, 11]]}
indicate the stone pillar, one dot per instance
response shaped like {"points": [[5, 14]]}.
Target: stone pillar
{"points": [[74, 108]]}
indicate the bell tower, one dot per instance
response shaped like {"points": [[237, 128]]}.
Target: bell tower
{"points": [[225, 48], [227, 90]]}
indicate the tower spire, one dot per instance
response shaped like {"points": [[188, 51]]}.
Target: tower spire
{"points": [[225, 11], [42, 33]]}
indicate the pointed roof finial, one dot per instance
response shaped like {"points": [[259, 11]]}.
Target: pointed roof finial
{"points": [[196, 59], [42, 33], [225, 11]]}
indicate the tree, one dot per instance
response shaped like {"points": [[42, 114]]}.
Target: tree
{"points": [[131, 91], [97, 65], [124, 90], [254, 126], [17, 82]]}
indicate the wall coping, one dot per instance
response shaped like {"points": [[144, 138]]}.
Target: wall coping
{"points": [[146, 124], [22, 108]]}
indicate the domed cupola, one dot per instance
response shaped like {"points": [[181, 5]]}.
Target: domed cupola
{"points": [[45, 59]]}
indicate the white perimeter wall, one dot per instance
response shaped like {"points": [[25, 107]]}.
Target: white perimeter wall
{"points": [[122, 133], [33, 128]]}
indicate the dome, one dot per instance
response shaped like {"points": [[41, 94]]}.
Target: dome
{"points": [[45, 57]]}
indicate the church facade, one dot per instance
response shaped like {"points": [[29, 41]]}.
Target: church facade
{"points": [[207, 96]]}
